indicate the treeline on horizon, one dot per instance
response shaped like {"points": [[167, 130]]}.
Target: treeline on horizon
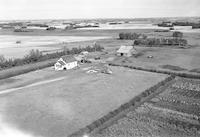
{"points": [[194, 25], [141, 39], [36, 56]]}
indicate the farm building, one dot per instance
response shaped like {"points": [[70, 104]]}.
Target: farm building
{"points": [[65, 63], [82, 56], [85, 53], [126, 51]]}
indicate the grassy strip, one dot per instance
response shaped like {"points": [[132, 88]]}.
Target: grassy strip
{"points": [[25, 68], [171, 67], [112, 116], [197, 70], [180, 74]]}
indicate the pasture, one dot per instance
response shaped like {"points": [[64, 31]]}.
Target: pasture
{"points": [[55, 104]]}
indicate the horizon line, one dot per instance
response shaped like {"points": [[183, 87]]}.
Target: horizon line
{"points": [[103, 18]]}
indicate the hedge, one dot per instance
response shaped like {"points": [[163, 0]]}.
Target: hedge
{"points": [[161, 42], [26, 68], [186, 75]]}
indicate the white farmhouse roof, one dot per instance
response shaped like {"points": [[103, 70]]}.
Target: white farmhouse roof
{"points": [[68, 59], [126, 49]]}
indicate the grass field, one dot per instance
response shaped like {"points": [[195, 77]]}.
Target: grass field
{"points": [[51, 41], [55, 104], [184, 58], [173, 113], [176, 59]]}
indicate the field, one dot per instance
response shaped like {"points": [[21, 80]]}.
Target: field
{"points": [[10, 49], [173, 113], [164, 58], [46, 103], [176, 59], [55, 104]]}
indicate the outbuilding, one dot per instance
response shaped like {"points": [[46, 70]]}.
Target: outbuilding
{"points": [[126, 51], [66, 63]]}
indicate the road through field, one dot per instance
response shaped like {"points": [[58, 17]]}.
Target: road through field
{"points": [[31, 85]]}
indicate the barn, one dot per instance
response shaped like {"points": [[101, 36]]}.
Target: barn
{"points": [[126, 51], [66, 63]]}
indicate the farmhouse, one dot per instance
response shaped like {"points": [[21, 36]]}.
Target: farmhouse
{"points": [[65, 63], [126, 51]]}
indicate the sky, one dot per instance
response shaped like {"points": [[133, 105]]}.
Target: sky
{"points": [[72, 9]]}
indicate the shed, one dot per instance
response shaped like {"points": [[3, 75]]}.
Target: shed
{"points": [[126, 51]]}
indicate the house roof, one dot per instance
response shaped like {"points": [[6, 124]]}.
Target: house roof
{"points": [[126, 49], [68, 59], [61, 62]]}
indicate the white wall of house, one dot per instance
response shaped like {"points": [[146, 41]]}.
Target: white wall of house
{"points": [[71, 65], [129, 54], [67, 66], [58, 66]]}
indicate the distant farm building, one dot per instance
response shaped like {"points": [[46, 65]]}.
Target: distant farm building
{"points": [[82, 56], [66, 63], [85, 53], [166, 24], [126, 51]]}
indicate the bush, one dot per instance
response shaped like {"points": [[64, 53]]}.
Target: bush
{"points": [[131, 36], [137, 99], [160, 42], [160, 30], [33, 56], [2, 59]]}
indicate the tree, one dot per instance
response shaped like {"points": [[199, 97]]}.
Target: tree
{"points": [[2, 59], [34, 55], [177, 34], [121, 35]]}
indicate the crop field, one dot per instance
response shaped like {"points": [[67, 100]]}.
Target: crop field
{"points": [[173, 113]]}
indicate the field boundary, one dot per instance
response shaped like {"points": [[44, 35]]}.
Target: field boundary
{"points": [[180, 74], [114, 115]]}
